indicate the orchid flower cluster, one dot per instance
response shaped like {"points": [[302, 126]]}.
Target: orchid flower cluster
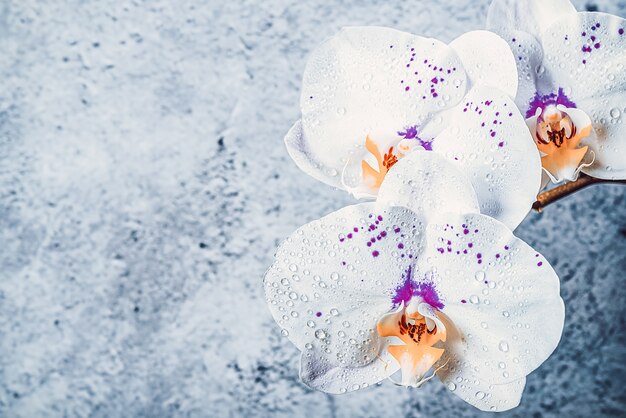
{"points": [[451, 143]]}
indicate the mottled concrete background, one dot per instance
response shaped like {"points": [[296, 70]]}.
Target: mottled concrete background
{"points": [[144, 187]]}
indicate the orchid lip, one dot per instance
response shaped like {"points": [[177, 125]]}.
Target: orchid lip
{"points": [[414, 320], [422, 333], [382, 156], [558, 131]]}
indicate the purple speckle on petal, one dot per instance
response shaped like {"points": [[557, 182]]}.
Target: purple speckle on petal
{"points": [[375, 253], [318, 314]]}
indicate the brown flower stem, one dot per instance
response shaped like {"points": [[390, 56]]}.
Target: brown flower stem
{"points": [[558, 193]]}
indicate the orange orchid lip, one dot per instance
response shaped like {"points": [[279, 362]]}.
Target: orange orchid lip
{"points": [[558, 131], [419, 333], [374, 177]]}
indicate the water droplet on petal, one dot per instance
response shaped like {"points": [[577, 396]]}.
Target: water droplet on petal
{"points": [[480, 395], [615, 112], [320, 334], [503, 346]]}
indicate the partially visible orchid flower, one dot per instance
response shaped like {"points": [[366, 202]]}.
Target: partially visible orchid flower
{"points": [[572, 84], [373, 95], [417, 281]]}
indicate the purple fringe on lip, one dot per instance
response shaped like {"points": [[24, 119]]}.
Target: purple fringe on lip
{"points": [[411, 133], [410, 288], [540, 102]]}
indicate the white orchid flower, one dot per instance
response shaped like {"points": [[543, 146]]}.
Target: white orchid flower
{"points": [[572, 84], [417, 281], [372, 95]]}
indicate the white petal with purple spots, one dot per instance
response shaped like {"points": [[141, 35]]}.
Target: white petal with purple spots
{"points": [[501, 298], [520, 23], [372, 81], [488, 139], [586, 58], [335, 277]]}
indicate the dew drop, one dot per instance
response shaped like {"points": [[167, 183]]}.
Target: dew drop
{"points": [[334, 275], [451, 386], [480, 395], [334, 312], [503, 346], [615, 112], [284, 333], [474, 299], [310, 324], [293, 267], [480, 275], [320, 334]]}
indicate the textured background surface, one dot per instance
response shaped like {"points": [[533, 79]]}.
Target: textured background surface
{"points": [[144, 187]]}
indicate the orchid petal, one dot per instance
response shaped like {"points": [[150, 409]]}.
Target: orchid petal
{"points": [[587, 56], [373, 81], [488, 60], [332, 280], [531, 16], [520, 23], [503, 312], [428, 184], [488, 139], [609, 142], [318, 372], [299, 151], [484, 396]]}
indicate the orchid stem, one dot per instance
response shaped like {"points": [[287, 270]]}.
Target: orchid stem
{"points": [[546, 198]]}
